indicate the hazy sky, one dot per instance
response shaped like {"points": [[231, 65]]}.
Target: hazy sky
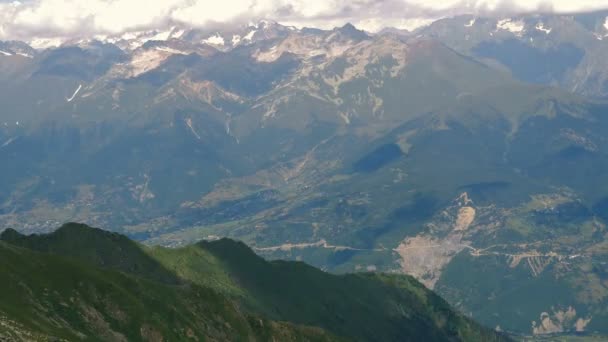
{"points": [[81, 18]]}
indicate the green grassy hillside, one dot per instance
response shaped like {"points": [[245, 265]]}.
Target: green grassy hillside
{"points": [[51, 297], [84, 283]]}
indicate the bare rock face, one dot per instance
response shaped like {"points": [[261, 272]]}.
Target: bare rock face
{"points": [[424, 256], [559, 321]]}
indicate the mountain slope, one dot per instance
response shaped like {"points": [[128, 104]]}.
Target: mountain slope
{"points": [[564, 50], [65, 294], [386, 307], [97, 247], [66, 299]]}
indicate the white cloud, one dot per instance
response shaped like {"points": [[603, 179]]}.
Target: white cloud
{"points": [[77, 18]]}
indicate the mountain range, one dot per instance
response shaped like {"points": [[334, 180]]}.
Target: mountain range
{"points": [[470, 153]]}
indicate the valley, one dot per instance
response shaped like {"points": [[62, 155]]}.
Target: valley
{"points": [[470, 153]]}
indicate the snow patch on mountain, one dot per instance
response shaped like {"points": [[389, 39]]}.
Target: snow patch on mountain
{"points": [[541, 27], [136, 39], [516, 27], [45, 43], [75, 93], [162, 35], [249, 35], [177, 33], [470, 23], [215, 40], [15, 48]]}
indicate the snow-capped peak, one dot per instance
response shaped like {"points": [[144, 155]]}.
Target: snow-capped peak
{"points": [[136, 39]]}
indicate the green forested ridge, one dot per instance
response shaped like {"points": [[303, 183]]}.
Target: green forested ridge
{"points": [[84, 283]]}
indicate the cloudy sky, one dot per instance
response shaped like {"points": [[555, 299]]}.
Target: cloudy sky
{"points": [[25, 19]]}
